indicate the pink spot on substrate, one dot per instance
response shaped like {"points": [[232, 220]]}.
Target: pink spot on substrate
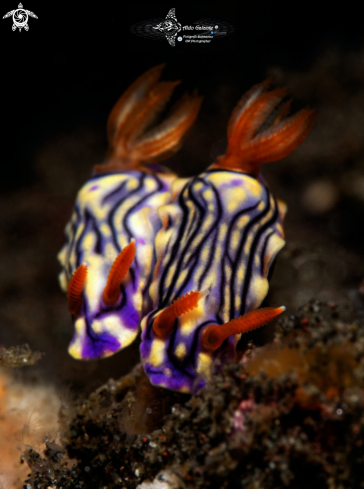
{"points": [[245, 408]]}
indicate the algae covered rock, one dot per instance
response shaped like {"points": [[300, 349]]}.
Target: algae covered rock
{"points": [[289, 414]]}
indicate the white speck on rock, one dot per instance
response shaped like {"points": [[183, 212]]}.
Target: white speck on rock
{"points": [[164, 480]]}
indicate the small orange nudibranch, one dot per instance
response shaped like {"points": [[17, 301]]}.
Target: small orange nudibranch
{"points": [[109, 255], [220, 235]]}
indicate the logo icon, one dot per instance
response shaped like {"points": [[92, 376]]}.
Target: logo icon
{"points": [[200, 31], [170, 27], [20, 17]]}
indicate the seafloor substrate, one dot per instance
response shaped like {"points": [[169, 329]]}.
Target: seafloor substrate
{"points": [[288, 415]]}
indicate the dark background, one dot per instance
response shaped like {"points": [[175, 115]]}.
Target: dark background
{"points": [[75, 61], [59, 82]]}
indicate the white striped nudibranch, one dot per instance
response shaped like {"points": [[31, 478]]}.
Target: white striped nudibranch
{"points": [[220, 234], [109, 255]]}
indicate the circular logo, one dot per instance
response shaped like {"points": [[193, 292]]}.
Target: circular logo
{"points": [[20, 17], [179, 38]]}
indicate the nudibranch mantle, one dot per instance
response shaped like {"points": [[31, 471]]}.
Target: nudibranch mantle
{"points": [[223, 229], [111, 210], [219, 236]]}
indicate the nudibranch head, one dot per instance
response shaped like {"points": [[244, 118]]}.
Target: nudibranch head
{"points": [[108, 258], [184, 362], [220, 235], [104, 317]]}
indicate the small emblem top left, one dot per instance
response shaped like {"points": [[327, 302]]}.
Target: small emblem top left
{"points": [[20, 17]]}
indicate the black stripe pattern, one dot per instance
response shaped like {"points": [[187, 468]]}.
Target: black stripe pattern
{"points": [[111, 210], [220, 235]]}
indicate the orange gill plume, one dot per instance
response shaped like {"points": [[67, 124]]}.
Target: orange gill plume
{"points": [[74, 291], [131, 140], [214, 335], [164, 322], [247, 147], [117, 273]]}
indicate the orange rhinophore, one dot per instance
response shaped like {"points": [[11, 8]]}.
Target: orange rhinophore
{"points": [[133, 140], [74, 291], [248, 148], [214, 335], [163, 324], [117, 273]]}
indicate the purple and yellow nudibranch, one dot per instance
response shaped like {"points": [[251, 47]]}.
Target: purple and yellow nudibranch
{"points": [[220, 235], [109, 257]]}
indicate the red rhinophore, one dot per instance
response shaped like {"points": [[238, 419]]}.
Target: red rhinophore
{"points": [[214, 335], [74, 291], [163, 324], [117, 273]]}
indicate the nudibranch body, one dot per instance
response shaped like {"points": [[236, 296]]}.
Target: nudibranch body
{"points": [[109, 255], [220, 234]]}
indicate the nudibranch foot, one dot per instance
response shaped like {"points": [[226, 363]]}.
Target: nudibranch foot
{"points": [[248, 147], [90, 346], [133, 140]]}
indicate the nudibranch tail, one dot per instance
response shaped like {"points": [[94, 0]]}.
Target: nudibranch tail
{"points": [[247, 147], [132, 141], [117, 273], [163, 324], [74, 290], [214, 335]]}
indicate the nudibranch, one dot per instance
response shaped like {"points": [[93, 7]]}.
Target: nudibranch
{"points": [[221, 232], [109, 256]]}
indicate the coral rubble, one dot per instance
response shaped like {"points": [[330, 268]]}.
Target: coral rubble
{"points": [[18, 356], [289, 414], [28, 410]]}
